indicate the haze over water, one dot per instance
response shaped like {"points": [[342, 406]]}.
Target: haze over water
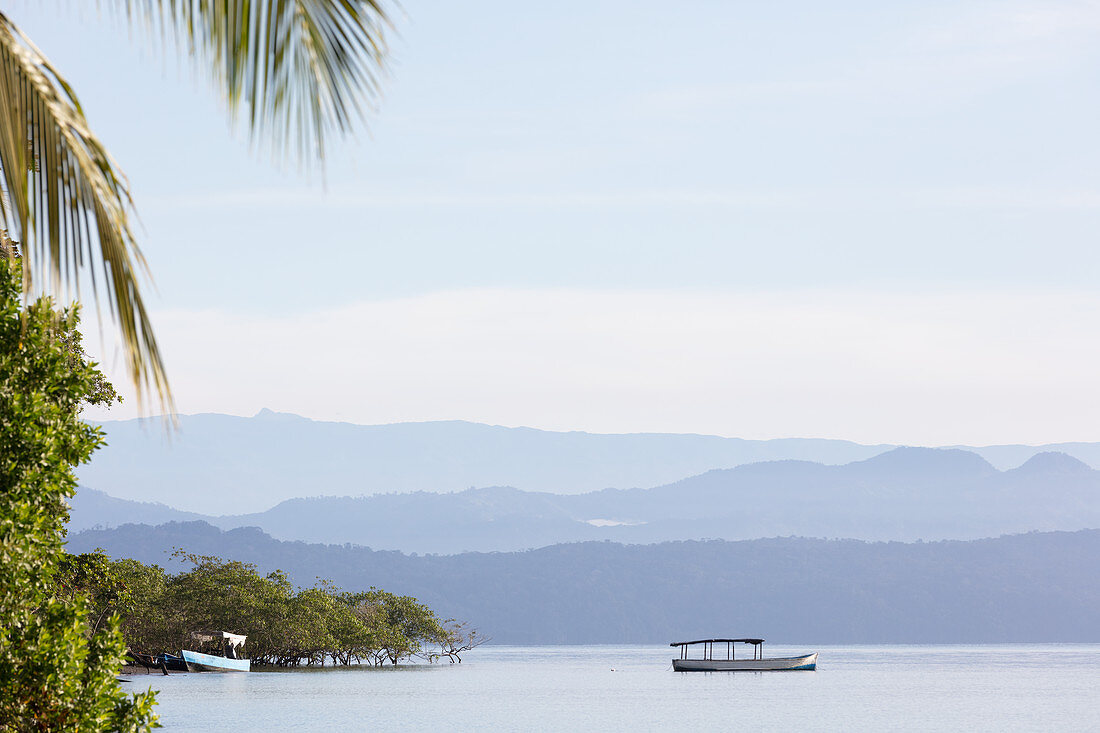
{"points": [[610, 688]]}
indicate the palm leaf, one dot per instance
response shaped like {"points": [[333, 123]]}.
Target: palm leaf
{"points": [[66, 202], [300, 69]]}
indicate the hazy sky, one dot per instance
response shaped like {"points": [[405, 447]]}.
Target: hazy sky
{"points": [[863, 220]]}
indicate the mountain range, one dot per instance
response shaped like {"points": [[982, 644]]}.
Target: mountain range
{"points": [[515, 530], [222, 464], [903, 494], [1023, 588]]}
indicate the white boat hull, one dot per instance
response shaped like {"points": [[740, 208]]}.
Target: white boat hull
{"points": [[807, 662], [199, 662]]}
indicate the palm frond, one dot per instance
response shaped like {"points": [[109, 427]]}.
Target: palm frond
{"points": [[300, 70], [67, 204]]}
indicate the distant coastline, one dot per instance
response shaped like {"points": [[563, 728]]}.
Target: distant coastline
{"points": [[1025, 588]]}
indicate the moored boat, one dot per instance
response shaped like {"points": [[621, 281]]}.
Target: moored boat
{"points": [[161, 662], [218, 651], [757, 663], [173, 663]]}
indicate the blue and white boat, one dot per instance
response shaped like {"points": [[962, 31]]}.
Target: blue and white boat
{"points": [[218, 651], [708, 662]]}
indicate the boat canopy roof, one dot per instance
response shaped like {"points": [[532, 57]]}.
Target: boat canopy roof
{"points": [[205, 637], [719, 641]]}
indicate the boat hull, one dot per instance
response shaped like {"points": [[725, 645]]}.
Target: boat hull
{"points": [[807, 662], [199, 662], [173, 663]]}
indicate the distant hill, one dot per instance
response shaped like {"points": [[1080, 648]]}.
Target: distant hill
{"points": [[221, 464], [1026, 588], [903, 494], [91, 509]]}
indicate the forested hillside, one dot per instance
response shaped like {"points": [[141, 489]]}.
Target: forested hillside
{"points": [[1032, 587]]}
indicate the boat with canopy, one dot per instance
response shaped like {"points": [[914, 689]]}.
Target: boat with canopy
{"points": [[709, 662], [217, 651]]}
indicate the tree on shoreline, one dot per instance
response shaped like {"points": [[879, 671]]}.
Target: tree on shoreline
{"points": [[307, 627], [58, 656], [458, 637], [297, 71]]}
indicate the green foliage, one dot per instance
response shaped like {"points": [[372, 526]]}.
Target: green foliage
{"points": [[225, 596], [142, 618], [126, 588], [92, 577], [403, 624], [285, 628], [313, 626], [58, 654]]}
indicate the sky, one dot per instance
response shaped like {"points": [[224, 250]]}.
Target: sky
{"points": [[871, 221]]}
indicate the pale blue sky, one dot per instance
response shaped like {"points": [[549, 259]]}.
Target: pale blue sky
{"points": [[786, 152]]}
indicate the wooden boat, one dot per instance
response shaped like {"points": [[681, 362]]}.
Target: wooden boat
{"points": [[173, 663], [757, 663], [218, 651], [160, 662]]}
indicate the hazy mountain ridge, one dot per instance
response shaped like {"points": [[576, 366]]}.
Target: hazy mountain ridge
{"points": [[1023, 588], [96, 509], [904, 494], [222, 464], [225, 464]]}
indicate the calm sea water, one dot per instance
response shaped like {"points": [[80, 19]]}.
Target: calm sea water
{"points": [[612, 688]]}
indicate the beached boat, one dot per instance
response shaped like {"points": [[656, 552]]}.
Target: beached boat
{"points": [[708, 662], [218, 651], [173, 663], [160, 662]]}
